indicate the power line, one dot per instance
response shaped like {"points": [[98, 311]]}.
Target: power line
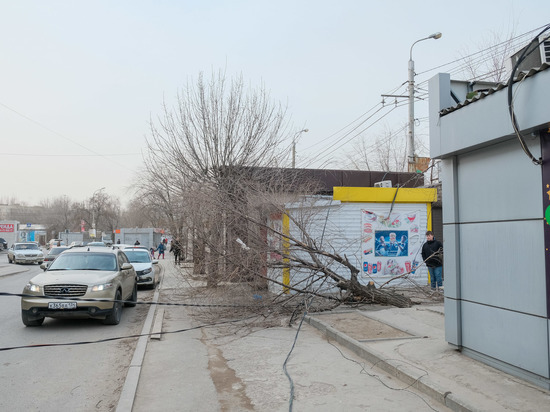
{"points": [[475, 59], [77, 343], [320, 154], [61, 135], [69, 155]]}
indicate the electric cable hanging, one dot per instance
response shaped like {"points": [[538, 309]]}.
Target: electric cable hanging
{"points": [[531, 47]]}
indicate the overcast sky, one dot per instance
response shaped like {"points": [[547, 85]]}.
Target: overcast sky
{"points": [[80, 80]]}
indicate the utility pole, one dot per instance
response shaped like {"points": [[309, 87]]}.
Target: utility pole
{"points": [[410, 143]]}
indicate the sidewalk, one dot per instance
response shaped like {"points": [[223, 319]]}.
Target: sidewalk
{"points": [[408, 344], [415, 351]]}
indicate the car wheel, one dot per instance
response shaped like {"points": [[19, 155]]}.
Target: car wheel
{"points": [[31, 322], [133, 299], [113, 318], [39, 263]]}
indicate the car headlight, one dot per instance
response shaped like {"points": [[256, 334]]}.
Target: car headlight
{"points": [[18, 255], [31, 287], [104, 286], [148, 270]]}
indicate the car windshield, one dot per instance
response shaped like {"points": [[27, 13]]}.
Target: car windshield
{"points": [[137, 256], [84, 261], [25, 246]]}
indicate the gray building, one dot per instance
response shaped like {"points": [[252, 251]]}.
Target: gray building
{"points": [[497, 264], [148, 237]]}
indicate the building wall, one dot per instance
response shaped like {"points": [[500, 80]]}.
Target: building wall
{"points": [[495, 274], [147, 237]]}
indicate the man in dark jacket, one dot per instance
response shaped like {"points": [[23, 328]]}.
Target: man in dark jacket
{"points": [[177, 249], [432, 253]]}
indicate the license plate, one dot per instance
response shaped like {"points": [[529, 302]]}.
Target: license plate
{"points": [[61, 305]]}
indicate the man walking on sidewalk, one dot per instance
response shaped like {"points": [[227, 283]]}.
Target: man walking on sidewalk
{"points": [[177, 250], [432, 254]]}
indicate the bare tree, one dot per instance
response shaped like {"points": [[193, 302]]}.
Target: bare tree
{"points": [[101, 211], [214, 160], [388, 152], [490, 62], [217, 129], [60, 214]]}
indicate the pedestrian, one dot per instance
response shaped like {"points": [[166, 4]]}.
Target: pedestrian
{"points": [[152, 253], [137, 243], [432, 254], [176, 249], [160, 249], [118, 242]]}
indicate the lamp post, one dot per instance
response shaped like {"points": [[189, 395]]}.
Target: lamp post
{"points": [[294, 146], [410, 151]]}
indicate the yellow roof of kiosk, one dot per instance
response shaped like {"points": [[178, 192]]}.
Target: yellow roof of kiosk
{"points": [[385, 194]]}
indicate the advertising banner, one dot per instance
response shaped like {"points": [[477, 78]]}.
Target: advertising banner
{"points": [[391, 243], [7, 227]]}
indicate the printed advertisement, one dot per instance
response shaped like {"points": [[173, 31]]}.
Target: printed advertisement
{"points": [[391, 243], [6, 227]]}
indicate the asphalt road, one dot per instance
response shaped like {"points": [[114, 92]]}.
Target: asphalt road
{"points": [[77, 377]]}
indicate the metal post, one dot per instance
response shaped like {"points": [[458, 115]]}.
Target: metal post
{"points": [[294, 146], [410, 142]]}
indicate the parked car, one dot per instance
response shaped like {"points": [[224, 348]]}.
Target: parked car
{"points": [[3, 243], [144, 266], [54, 251], [25, 252], [95, 273]]}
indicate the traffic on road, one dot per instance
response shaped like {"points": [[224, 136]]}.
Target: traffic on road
{"points": [[56, 366]]}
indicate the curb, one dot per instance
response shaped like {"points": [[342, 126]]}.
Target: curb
{"points": [[406, 374], [129, 390]]}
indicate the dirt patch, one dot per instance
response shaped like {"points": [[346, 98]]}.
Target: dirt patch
{"points": [[360, 327], [231, 390]]}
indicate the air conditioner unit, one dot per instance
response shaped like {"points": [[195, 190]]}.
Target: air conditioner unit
{"points": [[534, 59], [383, 183]]}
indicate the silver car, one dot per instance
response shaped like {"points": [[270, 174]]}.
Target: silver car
{"points": [[25, 252], [89, 282], [144, 266]]}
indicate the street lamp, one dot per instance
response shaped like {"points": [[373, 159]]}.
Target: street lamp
{"points": [[410, 154], [294, 146]]}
